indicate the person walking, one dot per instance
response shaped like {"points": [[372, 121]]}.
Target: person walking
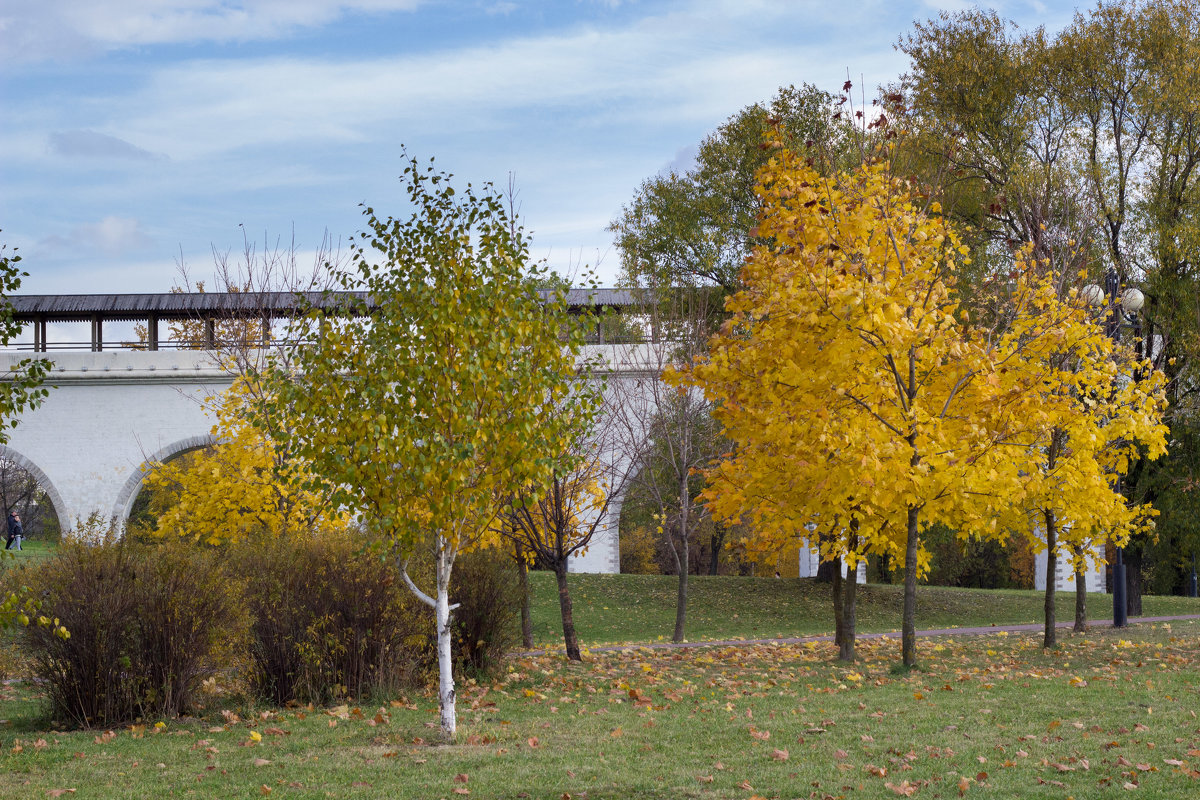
{"points": [[15, 531]]}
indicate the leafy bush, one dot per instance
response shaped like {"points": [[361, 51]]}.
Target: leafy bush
{"points": [[147, 624], [330, 619], [486, 585]]}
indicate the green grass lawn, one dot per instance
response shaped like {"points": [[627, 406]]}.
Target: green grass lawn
{"points": [[641, 608], [1106, 714], [1109, 714], [31, 550]]}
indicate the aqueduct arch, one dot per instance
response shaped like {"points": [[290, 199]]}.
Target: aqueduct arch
{"points": [[106, 416], [129, 492], [43, 480]]}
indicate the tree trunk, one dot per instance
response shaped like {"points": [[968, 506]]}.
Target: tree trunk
{"points": [[526, 617], [564, 607], [826, 571], [1080, 598], [1050, 631], [1133, 580], [849, 595], [849, 598], [908, 625], [717, 542], [682, 556], [446, 696], [442, 611], [681, 595], [838, 611]]}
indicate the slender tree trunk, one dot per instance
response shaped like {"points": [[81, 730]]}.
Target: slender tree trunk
{"points": [[681, 595], [849, 598], [443, 611], [683, 555], [1133, 580], [446, 693], [1080, 598], [1050, 631], [564, 607], [839, 623], [526, 616], [908, 629], [718, 541]]}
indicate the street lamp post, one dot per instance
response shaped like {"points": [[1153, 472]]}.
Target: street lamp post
{"points": [[1125, 311]]}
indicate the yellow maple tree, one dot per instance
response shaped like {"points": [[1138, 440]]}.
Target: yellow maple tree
{"points": [[241, 487], [860, 395]]}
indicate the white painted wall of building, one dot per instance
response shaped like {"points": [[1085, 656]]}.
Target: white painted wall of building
{"points": [[810, 562], [1064, 573], [110, 413], [107, 414]]}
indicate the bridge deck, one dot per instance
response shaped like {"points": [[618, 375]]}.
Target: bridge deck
{"points": [[209, 308]]}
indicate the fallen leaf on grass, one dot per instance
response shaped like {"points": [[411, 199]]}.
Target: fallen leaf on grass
{"points": [[903, 788], [533, 741], [261, 762], [745, 786], [779, 755], [462, 777], [705, 779], [59, 792], [964, 783]]}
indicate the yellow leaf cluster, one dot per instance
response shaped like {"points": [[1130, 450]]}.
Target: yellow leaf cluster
{"points": [[862, 404], [239, 488]]}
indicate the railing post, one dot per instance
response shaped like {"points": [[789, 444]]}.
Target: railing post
{"points": [[97, 333]]}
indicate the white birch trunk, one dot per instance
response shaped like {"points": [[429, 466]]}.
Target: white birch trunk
{"points": [[442, 608], [443, 613]]}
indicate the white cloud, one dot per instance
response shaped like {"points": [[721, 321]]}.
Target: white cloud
{"points": [[658, 70], [111, 236], [91, 144], [58, 28]]}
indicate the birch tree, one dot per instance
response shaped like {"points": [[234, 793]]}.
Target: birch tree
{"points": [[457, 393]]}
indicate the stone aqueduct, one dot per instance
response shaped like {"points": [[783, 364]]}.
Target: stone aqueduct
{"points": [[112, 412]]}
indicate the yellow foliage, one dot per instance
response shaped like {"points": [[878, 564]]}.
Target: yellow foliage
{"points": [[236, 489], [862, 405]]}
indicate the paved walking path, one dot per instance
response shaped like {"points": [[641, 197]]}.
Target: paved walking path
{"points": [[979, 631]]}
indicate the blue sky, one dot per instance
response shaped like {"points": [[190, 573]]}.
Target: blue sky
{"points": [[138, 133]]}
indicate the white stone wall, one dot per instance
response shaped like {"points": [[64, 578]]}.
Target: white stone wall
{"points": [[628, 369], [810, 562], [1064, 573], [109, 413], [106, 415]]}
